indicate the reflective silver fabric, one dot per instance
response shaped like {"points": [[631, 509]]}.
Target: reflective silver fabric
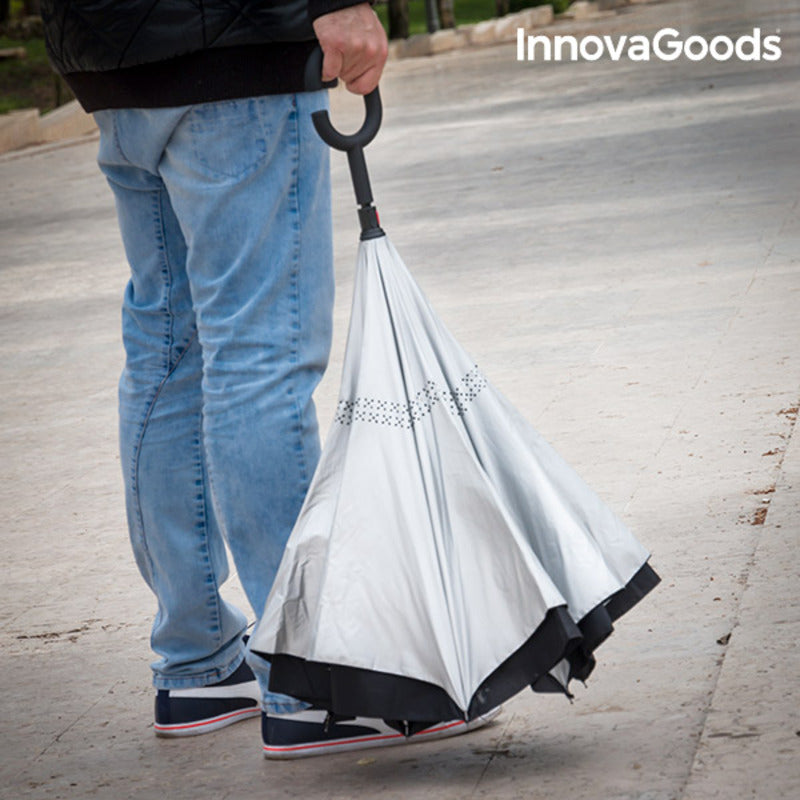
{"points": [[439, 527]]}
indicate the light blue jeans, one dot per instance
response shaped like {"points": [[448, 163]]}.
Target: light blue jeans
{"points": [[224, 210]]}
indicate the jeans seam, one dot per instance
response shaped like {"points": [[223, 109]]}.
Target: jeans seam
{"points": [[202, 523], [166, 271], [169, 368], [294, 208], [159, 226], [117, 143]]}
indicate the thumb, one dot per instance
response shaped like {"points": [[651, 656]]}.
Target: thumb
{"points": [[331, 64]]}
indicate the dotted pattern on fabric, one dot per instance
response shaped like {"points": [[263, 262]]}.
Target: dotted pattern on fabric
{"points": [[377, 411]]}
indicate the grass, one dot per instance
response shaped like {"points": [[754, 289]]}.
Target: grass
{"points": [[466, 11], [29, 82]]}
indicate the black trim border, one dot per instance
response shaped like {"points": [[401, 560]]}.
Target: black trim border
{"points": [[351, 691], [224, 73]]}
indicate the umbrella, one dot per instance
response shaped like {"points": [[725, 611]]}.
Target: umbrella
{"points": [[445, 557]]}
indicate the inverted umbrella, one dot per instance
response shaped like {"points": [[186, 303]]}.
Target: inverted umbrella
{"points": [[445, 556]]}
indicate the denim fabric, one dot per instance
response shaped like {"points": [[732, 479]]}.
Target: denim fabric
{"points": [[224, 210]]}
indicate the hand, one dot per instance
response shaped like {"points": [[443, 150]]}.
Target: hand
{"points": [[354, 46]]}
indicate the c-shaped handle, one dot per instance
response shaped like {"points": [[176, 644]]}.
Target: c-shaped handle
{"points": [[353, 144], [322, 121]]}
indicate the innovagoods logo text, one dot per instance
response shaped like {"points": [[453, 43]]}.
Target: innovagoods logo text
{"points": [[666, 45]]}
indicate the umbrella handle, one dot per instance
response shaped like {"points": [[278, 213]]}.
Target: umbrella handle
{"points": [[352, 144]]}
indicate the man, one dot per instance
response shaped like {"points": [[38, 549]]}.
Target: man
{"points": [[223, 198]]}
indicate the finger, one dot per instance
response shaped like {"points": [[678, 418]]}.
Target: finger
{"points": [[369, 60], [365, 82], [332, 64]]}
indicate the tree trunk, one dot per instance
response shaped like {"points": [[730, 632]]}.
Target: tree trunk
{"points": [[398, 19], [32, 8], [5, 9], [447, 14], [501, 6], [432, 15]]}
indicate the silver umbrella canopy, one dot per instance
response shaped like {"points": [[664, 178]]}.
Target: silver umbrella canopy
{"points": [[445, 556]]}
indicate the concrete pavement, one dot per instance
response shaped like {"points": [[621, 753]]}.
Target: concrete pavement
{"points": [[616, 243]]}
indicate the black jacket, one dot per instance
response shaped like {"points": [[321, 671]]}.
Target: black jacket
{"points": [[152, 53]]}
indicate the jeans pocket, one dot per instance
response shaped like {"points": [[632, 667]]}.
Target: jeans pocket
{"points": [[231, 137]]}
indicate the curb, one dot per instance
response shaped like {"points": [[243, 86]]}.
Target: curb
{"points": [[25, 128], [501, 30]]}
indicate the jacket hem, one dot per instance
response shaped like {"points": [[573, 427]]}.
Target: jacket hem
{"points": [[224, 73]]}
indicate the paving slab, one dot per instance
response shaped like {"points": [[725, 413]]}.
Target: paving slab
{"points": [[616, 244]]}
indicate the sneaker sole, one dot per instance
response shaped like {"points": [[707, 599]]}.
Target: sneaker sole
{"points": [[205, 725], [444, 731]]}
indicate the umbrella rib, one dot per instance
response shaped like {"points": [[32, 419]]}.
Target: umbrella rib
{"points": [[413, 431]]}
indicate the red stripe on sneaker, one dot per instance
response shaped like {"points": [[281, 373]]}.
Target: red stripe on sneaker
{"points": [[212, 720], [332, 743], [358, 740], [441, 728]]}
